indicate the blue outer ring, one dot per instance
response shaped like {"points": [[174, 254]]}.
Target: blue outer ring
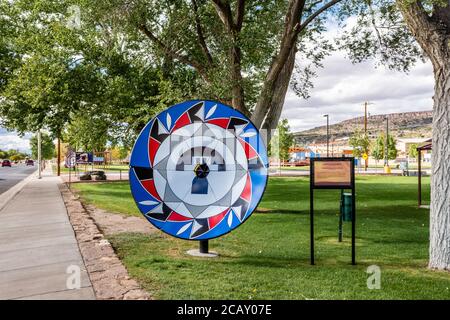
{"points": [[140, 158]]}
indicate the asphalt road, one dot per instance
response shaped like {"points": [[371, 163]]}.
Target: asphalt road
{"points": [[10, 176]]}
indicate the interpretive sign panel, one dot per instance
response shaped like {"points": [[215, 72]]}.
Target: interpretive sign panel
{"points": [[333, 173]]}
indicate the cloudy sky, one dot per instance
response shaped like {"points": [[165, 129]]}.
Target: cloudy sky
{"points": [[341, 88], [11, 140]]}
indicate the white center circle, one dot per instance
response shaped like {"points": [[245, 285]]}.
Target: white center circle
{"points": [[227, 163]]}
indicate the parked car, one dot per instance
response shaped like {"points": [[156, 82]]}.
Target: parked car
{"points": [[6, 163], [29, 162]]}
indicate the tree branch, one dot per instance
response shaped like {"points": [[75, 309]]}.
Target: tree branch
{"points": [[223, 9], [240, 14], [312, 5], [201, 36], [442, 14], [173, 54], [374, 24], [319, 11], [429, 33]]}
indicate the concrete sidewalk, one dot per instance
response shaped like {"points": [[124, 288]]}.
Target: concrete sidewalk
{"points": [[38, 245]]}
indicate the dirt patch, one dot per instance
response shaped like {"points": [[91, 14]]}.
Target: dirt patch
{"points": [[108, 275], [113, 223]]}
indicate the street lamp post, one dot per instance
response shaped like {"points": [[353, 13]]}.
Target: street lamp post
{"points": [[328, 134], [366, 115], [366, 160], [386, 149], [39, 138]]}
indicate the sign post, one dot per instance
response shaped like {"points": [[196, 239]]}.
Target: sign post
{"points": [[332, 173]]}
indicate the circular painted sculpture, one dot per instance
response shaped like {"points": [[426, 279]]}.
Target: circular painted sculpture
{"points": [[198, 170]]}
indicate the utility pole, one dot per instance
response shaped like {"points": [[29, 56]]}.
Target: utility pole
{"points": [[386, 149], [59, 157], [366, 104], [328, 134], [39, 153]]}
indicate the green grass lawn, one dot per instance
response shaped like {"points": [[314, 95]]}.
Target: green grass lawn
{"points": [[268, 256]]}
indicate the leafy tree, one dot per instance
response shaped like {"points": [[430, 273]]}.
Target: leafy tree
{"points": [[17, 157], [360, 142], [282, 141], [45, 87], [64, 72], [12, 155], [47, 146], [379, 149], [412, 151], [243, 52], [87, 132], [119, 153], [8, 61]]}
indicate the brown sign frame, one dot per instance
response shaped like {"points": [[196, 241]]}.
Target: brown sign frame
{"points": [[351, 186]]}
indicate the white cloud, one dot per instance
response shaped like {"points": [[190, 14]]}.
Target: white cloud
{"points": [[11, 140], [341, 88]]}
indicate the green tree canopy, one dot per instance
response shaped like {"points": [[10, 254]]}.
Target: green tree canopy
{"points": [[360, 142], [282, 141], [47, 146], [12, 155], [64, 72], [379, 150], [412, 150]]}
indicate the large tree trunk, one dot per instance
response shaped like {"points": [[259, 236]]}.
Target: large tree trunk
{"points": [[279, 94], [440, 179], [236, 78], [433, 35], [280, 71]]}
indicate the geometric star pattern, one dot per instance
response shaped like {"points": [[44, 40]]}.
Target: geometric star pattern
{"points": [[198, 170]]}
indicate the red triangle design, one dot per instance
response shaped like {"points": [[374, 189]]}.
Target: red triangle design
{"points": [[247, 192], [213, 221], [149, 185], [153, 146], [177, 217], [182, 121], [249, 151], [221, 122]]}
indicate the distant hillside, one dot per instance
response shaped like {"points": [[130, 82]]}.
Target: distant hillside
{"points": [[401, 125]]}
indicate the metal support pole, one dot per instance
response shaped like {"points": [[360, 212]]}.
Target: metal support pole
{"points": [[353, 225], [311, 212], [386, 147], [204, 246], [419, 176], [328, 134], [366, 161], [39, 154], [340, 221], [59, 157]]}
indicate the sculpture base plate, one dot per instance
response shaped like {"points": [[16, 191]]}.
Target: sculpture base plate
{"points": [[197, 253]]}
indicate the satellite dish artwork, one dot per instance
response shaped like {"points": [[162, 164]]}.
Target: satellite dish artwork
{"points": [[198, 170]]}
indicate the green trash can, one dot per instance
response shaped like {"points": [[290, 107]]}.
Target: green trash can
{"points": [[346, 206]]}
